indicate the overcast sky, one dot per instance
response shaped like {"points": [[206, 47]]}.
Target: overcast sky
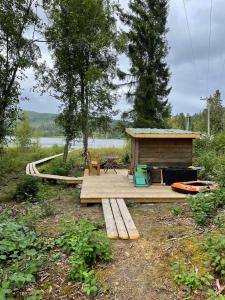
{"points": [[189, 68]]}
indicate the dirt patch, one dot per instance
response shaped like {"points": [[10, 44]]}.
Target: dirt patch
{"points": [[140, 269]]}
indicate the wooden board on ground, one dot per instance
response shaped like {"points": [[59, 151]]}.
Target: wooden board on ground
{"points": [[122, 231], [119, 223], [128, 221], [111, 229]]}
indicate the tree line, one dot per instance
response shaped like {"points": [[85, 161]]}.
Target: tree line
{"points": [[198, 121]]}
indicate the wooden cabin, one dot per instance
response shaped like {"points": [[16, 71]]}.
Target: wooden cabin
{"points": [[161, 148]]}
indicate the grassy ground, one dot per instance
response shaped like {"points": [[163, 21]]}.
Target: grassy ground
{"points": [[140, 269]]}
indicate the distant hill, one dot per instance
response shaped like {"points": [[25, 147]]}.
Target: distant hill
{"points": [[44, 125], [36, 117]]}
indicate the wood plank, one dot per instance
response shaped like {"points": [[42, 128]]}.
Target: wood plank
{"points": [[122, 231], [28, 169], [128, 221], [35, 169], [111, 229], [31, 169]]}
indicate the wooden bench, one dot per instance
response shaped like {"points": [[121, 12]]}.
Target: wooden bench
{"points": [[33, 171], [119, 223]]}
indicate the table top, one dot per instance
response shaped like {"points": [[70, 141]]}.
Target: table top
{"points": [[111, 157]]}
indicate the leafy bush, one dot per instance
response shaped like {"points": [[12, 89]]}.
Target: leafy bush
{"points": [[190, 279], [21, 257], [86, 243], [204, 205], [176, 211], [27, 189], [61, 170], [215, 249]]}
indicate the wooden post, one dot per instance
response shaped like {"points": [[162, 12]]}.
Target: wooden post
{"points": [[136, 152]]}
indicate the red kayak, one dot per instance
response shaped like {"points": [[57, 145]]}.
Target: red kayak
{"points": [[194, 187]]}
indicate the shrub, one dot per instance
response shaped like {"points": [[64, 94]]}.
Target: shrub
{"points": [[215, 249], [27, 189], [190, 279], [204, 205], [176, 211], [86, 243], [22, 254]]}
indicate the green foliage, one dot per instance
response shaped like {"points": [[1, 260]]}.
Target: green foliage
{"points": [[198, 121], [215, 249], [86, 243], [27, 189], [18, 53], [147, 50], [214, 296], [62, 169], [190, 279], [220, 220], [204, 205], [23, 133], [177, 211], [22, 254], [84, 64]]}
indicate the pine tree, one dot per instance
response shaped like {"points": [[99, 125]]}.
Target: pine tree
{"points": [[147, 51], [216, 113]]}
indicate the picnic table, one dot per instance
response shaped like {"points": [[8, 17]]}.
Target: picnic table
{"points": [[110, 163]]}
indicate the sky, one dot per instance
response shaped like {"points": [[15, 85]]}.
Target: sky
{"points": [[197, 62]]}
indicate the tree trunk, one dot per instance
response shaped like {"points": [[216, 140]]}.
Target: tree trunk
{"points": [[84, 125], [66, 150]]}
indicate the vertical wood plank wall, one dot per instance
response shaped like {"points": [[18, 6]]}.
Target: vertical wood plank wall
{"points": [[162, 152]]}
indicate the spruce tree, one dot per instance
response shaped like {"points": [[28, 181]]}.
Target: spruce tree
{"points": [[147, 51]]}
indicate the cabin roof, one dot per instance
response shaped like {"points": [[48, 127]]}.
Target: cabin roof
{"points": [[161, 133]]}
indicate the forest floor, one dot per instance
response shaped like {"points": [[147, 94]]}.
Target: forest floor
{"points": [[140, 269]]}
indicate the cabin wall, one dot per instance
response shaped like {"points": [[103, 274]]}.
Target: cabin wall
{"points": [[161, 153], [165, 152]]}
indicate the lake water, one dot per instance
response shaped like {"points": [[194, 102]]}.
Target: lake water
{"points": [[93, 143]]}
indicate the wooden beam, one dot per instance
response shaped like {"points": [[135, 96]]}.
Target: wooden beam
{"points": [[122, 231], [128, 221], [111, 229]]}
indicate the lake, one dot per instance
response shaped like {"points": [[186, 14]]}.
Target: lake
{"points": [[93, 143]]}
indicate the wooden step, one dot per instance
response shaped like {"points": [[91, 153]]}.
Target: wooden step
{"points": [[119, 223]]}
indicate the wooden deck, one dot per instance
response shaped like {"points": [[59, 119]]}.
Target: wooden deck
{"points": [[114, 186]]}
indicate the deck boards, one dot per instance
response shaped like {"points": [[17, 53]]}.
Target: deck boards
{"points": [[116, 186], [119, 223]]}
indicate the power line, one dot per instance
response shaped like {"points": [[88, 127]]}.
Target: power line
{"points": [[190, 37], [209, 47]]}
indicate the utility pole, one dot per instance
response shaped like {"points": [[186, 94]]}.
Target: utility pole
{"points": [[208, 101], [188, 122]]}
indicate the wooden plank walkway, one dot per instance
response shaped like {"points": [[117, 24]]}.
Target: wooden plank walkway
{"points": [[119, 223], [33, 171]]}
